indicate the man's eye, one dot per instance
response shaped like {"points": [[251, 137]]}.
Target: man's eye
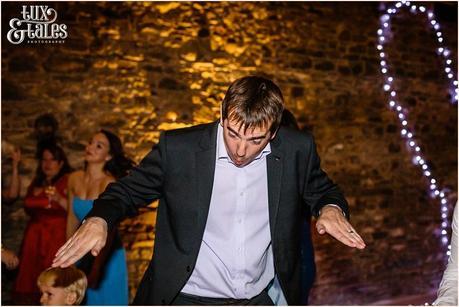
{"points": [[231, 134]]}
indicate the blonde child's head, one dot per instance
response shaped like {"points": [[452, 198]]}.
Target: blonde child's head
{"points": [[62, 286]]}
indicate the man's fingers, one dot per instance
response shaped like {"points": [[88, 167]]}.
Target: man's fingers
{"points": [[70, 255], [342, 231], [320, 228], [91, 236]]}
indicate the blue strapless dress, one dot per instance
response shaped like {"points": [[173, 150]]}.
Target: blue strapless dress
{"points": [[113, 287]]}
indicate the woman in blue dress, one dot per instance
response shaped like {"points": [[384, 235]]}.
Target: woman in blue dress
{"points": [[105, 162]]}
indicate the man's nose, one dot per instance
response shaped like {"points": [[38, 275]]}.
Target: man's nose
{"points": [[241, 149]]}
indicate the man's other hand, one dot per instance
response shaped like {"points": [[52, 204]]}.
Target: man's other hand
{"points": [[91, 236], [333, 222]]}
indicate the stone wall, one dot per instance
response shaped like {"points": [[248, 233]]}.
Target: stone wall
{"points": [[139, 67]]}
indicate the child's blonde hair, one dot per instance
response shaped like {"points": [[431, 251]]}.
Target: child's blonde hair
{"points": [[70, 278]]}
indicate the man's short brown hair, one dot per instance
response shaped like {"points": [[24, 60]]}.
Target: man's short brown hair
{"points": [[253, 101]]}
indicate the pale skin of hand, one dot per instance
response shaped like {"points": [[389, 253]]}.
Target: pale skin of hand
{"points": [[91, 236], [10, 259], [333, 222]]}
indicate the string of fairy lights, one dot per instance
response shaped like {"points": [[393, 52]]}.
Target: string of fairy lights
{"points": [[406, 130]]}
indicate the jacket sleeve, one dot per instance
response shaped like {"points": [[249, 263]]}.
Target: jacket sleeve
{"points": [[143, 185], [319, 190]]}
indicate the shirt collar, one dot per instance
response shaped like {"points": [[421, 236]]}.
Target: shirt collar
{"points": [[223, 154]]}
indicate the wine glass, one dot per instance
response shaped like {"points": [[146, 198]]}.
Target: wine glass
{"points": [[50, 190]]}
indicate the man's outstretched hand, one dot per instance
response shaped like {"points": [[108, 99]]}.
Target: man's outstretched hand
{"points": [[91, 236], [333, 222]]}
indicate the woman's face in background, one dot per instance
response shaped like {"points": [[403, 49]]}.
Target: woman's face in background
{"points": [[98, 149], [49, 165]]}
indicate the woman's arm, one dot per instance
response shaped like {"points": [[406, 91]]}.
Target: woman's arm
{"points": [[13, 191], [447, 292]]}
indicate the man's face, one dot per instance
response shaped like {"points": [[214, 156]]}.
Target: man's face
{"points": [[244, 147]]}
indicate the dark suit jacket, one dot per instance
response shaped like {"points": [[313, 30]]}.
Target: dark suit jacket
{"points": [[179, 171]]}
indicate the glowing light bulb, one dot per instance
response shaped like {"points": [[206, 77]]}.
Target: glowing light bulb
{"points": [[404, 123], [392, 103], [386, 87], [399, 108], [393, 93], [417, 149]]}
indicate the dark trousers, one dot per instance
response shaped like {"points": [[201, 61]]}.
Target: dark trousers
{"points": [[184, 299]]}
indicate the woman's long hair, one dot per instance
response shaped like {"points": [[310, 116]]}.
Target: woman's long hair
{"points": [[58, 154], [119, 165]]}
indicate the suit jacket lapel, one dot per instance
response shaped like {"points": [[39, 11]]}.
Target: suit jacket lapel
{"points": [[274, 170], [205, 170]]}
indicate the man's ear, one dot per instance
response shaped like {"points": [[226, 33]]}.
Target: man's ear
{"points": [[71, 298]]}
